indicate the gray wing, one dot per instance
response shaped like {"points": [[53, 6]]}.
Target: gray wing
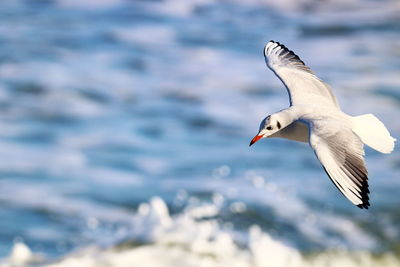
{"points": [[341, 153], [303, 85]]}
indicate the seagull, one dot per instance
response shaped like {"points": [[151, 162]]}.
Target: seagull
{"points": [[314, 116]]}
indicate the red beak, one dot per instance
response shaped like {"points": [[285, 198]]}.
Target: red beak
{"points": [[255, 139]]}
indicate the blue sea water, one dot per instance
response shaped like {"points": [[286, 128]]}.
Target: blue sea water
{"points": [[122, 122]]}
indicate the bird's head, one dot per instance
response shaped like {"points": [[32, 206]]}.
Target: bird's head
{"points": [[268, 126]]}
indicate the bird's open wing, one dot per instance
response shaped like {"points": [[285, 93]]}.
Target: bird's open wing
{"points": [[341, 153], [302, 84]]}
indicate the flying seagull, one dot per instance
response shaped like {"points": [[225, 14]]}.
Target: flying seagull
{"points": [[314, 116]]}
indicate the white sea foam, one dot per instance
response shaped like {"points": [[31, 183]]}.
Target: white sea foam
{"points": [[184, 240]]}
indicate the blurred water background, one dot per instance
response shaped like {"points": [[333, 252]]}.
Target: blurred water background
{"points": [[124, 131]]}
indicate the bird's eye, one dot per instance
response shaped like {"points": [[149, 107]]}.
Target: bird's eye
{"points": [[278, 124], [269, 128]]}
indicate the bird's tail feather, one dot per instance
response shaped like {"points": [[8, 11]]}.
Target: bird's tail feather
{"points": [[373, 133]]}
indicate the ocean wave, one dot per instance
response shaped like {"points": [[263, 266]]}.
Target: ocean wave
{"points": [[193, 239]]}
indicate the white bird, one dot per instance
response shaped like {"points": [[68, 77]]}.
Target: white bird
{"points": [[314, 116]]}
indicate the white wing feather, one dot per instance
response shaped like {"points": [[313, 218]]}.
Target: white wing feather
{"points": [[302, 84], [341, 153]]}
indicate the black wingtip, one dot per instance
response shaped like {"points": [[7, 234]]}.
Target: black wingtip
{"points": [[364, 205], [291, 53], [279, 44]]}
